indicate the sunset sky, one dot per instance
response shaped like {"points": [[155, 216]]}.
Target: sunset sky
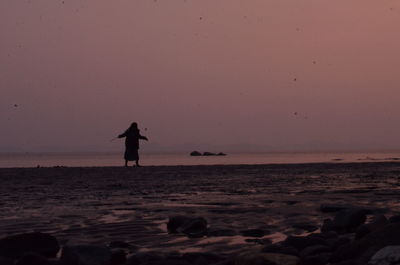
{"points": [[280, 74]]}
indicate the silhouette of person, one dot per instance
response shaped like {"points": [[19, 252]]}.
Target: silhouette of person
{"points": [[132, 136]]}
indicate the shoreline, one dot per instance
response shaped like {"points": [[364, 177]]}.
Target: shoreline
{"points": [[266, 165]]}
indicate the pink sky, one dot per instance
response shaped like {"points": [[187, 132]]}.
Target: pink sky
{"points": [[212, 72]]}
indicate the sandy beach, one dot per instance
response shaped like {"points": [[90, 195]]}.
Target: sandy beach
{"points": [[100, 205]]}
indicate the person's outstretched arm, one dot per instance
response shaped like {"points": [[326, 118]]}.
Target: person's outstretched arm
{"points": [[143, 137], [122, 135]]}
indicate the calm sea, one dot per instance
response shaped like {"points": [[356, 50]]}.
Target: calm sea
{"points": [[115, 159]]}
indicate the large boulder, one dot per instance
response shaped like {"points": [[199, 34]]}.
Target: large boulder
{"points": [[345, 221], [364, 248], [389, 255], [378, 222], [190, 226], [17, 245], [85, 255], [301, 242]]}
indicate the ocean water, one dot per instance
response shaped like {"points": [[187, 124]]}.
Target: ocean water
{"points": [[8, 160]]}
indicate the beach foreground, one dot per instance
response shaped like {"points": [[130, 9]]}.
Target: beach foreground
{"points": [[246, 207]]}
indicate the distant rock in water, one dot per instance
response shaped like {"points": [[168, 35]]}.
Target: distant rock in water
{"points": [[221, 154], [195, 153], [208, 154]]}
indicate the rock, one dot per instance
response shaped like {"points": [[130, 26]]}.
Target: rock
{"points": [[315, 255], [202, 258], [118, 257], [145, 258], [346, 262], [6, 261], [221, 154], [32, 259], [301, 242], [196, 227], [331, 208], [176, 222], [305, 226], [85, 255], [317, 259], [208, 154], [336, 243], [253, 233], [257, 258], [345, 221], [394, 219], [280, 248], [16, 246], [154, 258], [313, 250], [389, 255], [121, 244], [192, 227], [195, 153], [221, 232], [378, 222], [364, 248]]}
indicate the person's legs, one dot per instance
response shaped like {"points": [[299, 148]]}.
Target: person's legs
{"points": [[126, 163], [137, 162]]}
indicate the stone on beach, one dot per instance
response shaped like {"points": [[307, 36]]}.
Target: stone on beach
{"points": [[190, 226], [85, 255], [253, 233], [389, 255], [195, 153], [221, 232], [301, 242], [345, 221], [364, 248], [17, 245], [32, 259], [378, 222], [156, 258], [259, 258], [316, 255]]}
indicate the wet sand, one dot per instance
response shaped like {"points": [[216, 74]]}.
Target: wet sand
{"points": [[105, 204]]}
